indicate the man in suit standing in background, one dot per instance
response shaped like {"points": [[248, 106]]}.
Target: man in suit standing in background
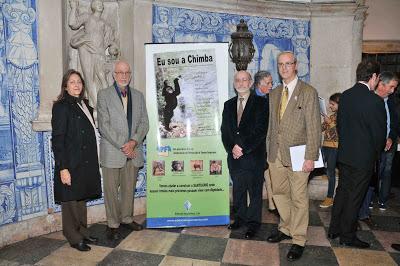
{"points": [[361, 125], [294, 120], [243, 129], [123, 124], [387, 85], [262, 86]]}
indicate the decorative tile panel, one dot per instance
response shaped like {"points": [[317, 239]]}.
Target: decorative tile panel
{"points": [[8, 212], [271, 35], [21, 158]]}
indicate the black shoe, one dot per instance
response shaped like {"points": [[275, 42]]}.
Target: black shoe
{"points": [[90, 240], [295, 252], [113, 234], [250, 233], [277, 237], [134, 226], [396, 247], [369, 222], [357, 243], [234, 226], [333, 235], [81, 246]]}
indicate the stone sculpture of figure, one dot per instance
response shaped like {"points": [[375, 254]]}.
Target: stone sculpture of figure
{"points": [[301, 42], [94, 35], [21, 51]]}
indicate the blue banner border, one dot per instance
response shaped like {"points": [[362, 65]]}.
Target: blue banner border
{"points": [[168, 222]]}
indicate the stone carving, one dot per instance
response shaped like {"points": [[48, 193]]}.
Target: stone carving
{"points": [[95, 40], [301, 42]]}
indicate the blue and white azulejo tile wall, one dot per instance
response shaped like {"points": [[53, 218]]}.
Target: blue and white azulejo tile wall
{"points": [[22, 172], [271, 36]]}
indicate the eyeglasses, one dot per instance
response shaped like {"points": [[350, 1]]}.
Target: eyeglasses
{"points": [[286, 65], [119, 73], [242, 80]]}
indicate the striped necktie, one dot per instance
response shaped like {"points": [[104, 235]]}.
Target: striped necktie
{"points": [[240, 110]]}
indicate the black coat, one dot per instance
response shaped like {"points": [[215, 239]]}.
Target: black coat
{"points": [[74, 147], [361, 125], [250, 135]]}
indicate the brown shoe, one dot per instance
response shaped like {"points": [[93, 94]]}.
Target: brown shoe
{"points": [[328, 202], [133, 226]]}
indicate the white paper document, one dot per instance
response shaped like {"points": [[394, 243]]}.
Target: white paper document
{"points": [[297, 157], [322, 106]]}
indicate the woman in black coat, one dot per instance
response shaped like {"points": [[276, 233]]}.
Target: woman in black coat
{"points": [[76, 171]]}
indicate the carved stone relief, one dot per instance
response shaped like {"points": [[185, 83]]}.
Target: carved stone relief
{"points": [[93, 42]]}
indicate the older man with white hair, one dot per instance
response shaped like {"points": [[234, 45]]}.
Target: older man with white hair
{"points": [[123, 124]]}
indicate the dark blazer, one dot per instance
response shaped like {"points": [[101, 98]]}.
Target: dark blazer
{"points": [[250, 134], [75, 148], [361, 125]]}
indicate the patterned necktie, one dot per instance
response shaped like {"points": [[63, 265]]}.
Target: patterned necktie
{"points": [[284, 101], [123, 93], [240, 110]]}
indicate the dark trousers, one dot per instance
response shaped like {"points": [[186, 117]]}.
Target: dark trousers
{"points": [[248, 181], [373, 186], [74, 221], [330, 156], [385, 174], [351, 190]]}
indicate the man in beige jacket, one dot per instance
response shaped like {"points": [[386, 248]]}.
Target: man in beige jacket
{"points": [[294, 119]]}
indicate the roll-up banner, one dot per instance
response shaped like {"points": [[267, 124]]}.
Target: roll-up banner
{"points": [[187, 174]]}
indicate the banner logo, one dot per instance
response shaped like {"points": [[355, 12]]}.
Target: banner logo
{"points": [[164, 150], [187, 205]]}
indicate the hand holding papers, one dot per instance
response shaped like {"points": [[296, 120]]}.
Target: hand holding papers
{"points": [[297, 158]]}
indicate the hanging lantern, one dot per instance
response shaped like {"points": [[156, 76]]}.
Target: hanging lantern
{"points": [[241, 49]]}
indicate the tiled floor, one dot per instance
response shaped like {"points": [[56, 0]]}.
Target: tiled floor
{"points": [[216, 245]]}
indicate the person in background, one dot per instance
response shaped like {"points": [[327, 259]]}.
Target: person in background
{"points": [[361, 125], [262, 83], [76, 169], [262, 86], [381, 179], [386, 87], [329, 148]]}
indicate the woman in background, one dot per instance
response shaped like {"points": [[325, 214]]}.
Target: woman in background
{"points": [[76, 171], [330, 147]]}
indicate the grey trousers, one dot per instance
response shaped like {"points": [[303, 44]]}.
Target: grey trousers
{"points": [[119, 187], [74, 221]]}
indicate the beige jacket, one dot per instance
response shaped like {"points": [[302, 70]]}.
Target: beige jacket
{"points": [[300, 124]]}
